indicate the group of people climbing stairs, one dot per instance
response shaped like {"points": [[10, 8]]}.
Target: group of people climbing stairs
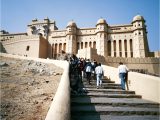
{"points": [[98, 98], [110, 102]]}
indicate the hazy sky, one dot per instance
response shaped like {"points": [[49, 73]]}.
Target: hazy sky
{"points": [[17, 14]]}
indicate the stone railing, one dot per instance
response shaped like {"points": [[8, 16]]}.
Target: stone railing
{"points": [[60, 107], [146, 85]]}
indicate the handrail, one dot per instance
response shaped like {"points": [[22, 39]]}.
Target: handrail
{"points": [[60, 107]]}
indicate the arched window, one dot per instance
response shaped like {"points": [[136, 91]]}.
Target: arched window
{"points": [[52, 51], [120, 48], [64, 47], [55, 48], [131, 47], [60, 47], [125, 47], [90, 44], [109, 48], [94, 45], [81, 45], [27, 49], [86, 44], [114, 45], [78, 46]]}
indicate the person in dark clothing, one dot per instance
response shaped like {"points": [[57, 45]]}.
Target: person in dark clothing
{"points": [[94, 65], [81, 67], [74, 74], [88, 71]]}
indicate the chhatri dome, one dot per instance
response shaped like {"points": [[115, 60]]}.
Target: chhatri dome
{"points": [[138, 17], [101, 21], [71, 24]]}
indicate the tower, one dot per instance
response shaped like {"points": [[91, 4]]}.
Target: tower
{"points": [[71, 46], [140, 43], [42, 27], [101, 42]]}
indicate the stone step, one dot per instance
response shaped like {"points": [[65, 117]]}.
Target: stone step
{"points": [[148, 105], [110, 102], [103, 87], [103, 84], [110, 110], [103, 81], [106, 95], [109, 91], [115, 117], [113, 102]]}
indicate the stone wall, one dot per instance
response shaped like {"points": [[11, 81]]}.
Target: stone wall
{"points": [[24, 46], [149, 65], [142, 84], [43, 48], [88, 53]]}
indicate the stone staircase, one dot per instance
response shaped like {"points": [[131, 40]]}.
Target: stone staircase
{"points": [[111, 103]]}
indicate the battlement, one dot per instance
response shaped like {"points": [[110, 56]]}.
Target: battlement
{"points": [[147, 65], [16, 37], [44, 21]]}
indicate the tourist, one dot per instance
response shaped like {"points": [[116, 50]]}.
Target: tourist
{"points": [[74, 74], [88, 71], [122, 70], [99, 73], [82, 67], [94, 65]]}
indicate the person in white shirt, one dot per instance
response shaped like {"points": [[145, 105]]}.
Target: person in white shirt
{"points": [[122, 70], [99, 72]]}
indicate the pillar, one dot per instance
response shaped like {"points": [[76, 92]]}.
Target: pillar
{"points": [[117, 48]]}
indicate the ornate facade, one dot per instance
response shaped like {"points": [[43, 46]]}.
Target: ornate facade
{"points": [[127, 40]]}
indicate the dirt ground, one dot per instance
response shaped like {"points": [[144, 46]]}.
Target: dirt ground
{"points": [[27, 88]]}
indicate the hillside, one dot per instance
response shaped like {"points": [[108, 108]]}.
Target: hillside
{"points": [[27, 88]]}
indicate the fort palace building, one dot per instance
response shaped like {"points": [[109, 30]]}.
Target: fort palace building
{"points": [[108, 44], [43, 39]]}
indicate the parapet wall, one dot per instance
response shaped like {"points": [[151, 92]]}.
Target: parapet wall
{"points": [[148, 65], [146, 85]]}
